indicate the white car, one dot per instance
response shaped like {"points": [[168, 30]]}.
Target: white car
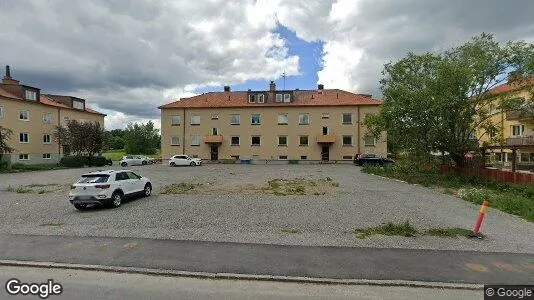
{"points": [[184, 160], [134, 160], [108, 188]]}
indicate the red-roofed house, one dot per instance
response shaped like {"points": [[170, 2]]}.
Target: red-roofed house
{"points": [[270, 125], [33, 116]]}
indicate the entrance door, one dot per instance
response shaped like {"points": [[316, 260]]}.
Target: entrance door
{"points": [[214, 150], [325, 152]]}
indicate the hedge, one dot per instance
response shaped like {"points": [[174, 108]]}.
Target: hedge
{"points": [[79, 161]]}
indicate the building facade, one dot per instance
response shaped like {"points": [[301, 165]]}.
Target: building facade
{"points": [[515, 130], [312, 125], [32, 117]]}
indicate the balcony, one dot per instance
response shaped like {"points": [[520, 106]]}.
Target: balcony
{"points": [[326, 139], [520, 141], [212, 139]]}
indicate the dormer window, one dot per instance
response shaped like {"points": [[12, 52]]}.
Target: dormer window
{"points": [[251, 98], [261, 98], [30, 95], [278, 97], [78, 104], [287, 98]]}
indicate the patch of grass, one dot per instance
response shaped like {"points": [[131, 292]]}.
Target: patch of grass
{"points": [[288, 230], [404, 229], [34, 185], [297, 186], [448, 232], [52, 224], [114, 154], [23, 190], [179, 188]]}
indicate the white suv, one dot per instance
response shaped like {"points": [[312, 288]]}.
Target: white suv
{"points": [[108, 188], [184, 160]]}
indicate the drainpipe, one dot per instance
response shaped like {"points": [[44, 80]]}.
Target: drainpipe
{"points": [[59, 138], [183, 133]]}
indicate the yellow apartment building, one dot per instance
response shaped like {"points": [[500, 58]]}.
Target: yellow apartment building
{"points": [[33, 117], [515, 129], [270, 125]]}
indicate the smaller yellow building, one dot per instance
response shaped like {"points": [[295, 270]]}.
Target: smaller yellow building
{"points": [[33, 117]]}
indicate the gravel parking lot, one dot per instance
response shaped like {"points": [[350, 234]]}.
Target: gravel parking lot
{"points": [[361, 200]]}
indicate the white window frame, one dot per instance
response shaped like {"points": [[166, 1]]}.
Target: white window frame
{"points": [[283, 145], [27, 156], [279, 98], [1, 111], [195, 140], [174, 139], [343, 140], [174, 118], [27, 115], [261, 98], [216, 131], [286, 119], [325, 116], [521, 130], [215, 116], [255, 145], [307, 140], [251, 98], [238, 139], [27, 138], [252, 118], [491, 133], [287, 98], [46, 120], [307, 118], [47, 156], [75, 104], [49, 139], [30, 95], [193, 119], [367, 144], [232, 119], [343, 118]]}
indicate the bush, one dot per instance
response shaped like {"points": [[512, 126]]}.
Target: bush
{"points": [[72, 161], [96, 161]]}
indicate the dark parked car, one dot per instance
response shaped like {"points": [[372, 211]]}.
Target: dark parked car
{"points": [[372, 159]]}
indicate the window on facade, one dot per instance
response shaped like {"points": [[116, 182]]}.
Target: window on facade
{"points": [[251, 98], [195, 140], [234, 120], [282, 119], [347, 140], [304, 119], [325, 116], [24, 115], [347, 157], [215, 117], [24, 137], [175, 141], [47, 156], [24, 157], [47, 118], [46, 139], [369, 140], [214, 131], [347, 118], [234, 141], [77, 105], [256, 140], [517, 130], [65, 120], [282, 157], [303, 157], [282, 140], [278, 97], [287, 98], [525, 157], [195, 120], [261, 98], [175, 120], [303, 140], [491, 133], [255, 119], [30, 95], [1, 112]]}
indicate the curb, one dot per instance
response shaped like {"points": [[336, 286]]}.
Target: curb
{"points": [[233, 276]]}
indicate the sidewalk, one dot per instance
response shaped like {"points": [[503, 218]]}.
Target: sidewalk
{"points": [[277, 260]]}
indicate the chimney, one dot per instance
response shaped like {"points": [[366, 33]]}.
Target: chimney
{"points": [[320, 86], [226, 88], [7, 78], [272, 86]]}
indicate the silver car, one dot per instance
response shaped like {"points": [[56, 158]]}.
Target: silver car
{"points": [[134, 160]]}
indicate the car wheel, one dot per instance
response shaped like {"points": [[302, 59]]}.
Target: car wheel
{"points": [[124, 164], [80, 206], [143, 163], [192, 164], [148, 190], [173, 164], [116, 199]]}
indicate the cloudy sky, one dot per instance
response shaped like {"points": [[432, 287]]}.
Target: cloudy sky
{"points": [[127, 57]]}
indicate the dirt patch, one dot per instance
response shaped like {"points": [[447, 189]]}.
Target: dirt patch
{"points": [[37, 188]]}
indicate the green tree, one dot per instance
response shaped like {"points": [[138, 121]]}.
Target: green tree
{"points": [[81, 138], [141, 138], [435, 101], [5, 135]]}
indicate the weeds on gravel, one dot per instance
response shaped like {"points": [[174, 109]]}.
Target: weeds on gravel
{"points": [[179, 188], [27, 189], [298, 186], [408, 230], [288, 230]]}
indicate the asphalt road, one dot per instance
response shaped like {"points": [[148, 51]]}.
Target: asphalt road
{"points": [[95, 285], [277, 260]]}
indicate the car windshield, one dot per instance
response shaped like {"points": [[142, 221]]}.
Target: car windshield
{"points": [[97, 178]]}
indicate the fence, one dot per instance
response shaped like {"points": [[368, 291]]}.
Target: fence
{"points": [[495, 174]]}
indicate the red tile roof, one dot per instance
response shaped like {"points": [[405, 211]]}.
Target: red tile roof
{"points": [[511, 86], [46, 101], [331, 97]]}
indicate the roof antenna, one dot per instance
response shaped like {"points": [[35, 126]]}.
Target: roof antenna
{"points": [[284, 77], [8, 72]]}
